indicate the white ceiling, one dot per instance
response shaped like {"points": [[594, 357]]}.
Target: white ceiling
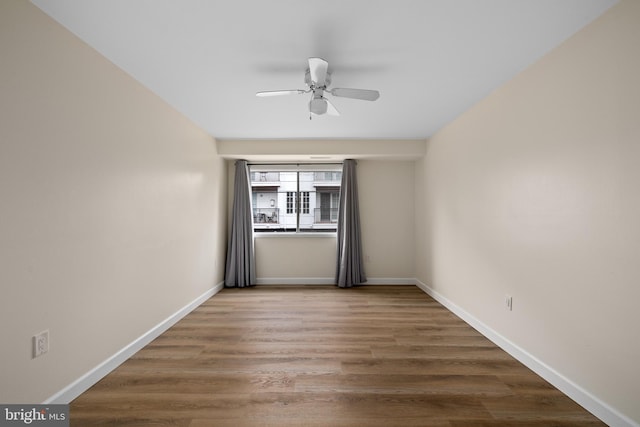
{"points": [[430, 59]]}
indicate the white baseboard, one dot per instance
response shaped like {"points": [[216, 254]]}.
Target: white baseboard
{"points": [[295, 281], [593, 404], [330, 281], [390, 281], [83, 383]]}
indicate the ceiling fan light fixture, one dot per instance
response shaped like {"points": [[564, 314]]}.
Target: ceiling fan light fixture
{"points": [[318, 106]]}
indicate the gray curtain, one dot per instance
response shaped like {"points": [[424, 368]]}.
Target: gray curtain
{"points": [[241, 264], [350, 268]]}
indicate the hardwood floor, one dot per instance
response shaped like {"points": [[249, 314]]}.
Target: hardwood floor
{"points": [[324, 356]]}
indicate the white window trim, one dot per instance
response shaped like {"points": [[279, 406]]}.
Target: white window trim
{"points": [[298, 168]]}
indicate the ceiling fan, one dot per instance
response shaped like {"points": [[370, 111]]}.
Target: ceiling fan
{"points": [[318, 78]]}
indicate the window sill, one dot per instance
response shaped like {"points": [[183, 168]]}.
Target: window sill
{"points": [[292, 234]]}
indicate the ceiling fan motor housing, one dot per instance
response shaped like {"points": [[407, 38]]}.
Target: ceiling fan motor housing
{"points": [[307, 79]]}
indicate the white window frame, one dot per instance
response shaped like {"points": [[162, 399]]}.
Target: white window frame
{"points": [[301, 198]]}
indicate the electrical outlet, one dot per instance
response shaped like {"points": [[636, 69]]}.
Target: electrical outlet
{"points": [[41, 343], [508, 301]]}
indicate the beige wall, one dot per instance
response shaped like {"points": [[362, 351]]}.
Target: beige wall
{"points": [[112, 213], [310, 258], [534, 193], [387, 216]]}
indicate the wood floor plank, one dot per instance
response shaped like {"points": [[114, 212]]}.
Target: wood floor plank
{"points": [[412, 366], [453, 385], [270, 406], [538, 407], [323, 356], [198, 382], [526, 423], [328, 421], [340, 351], [438, 352]]}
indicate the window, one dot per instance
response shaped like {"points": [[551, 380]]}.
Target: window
{"points": [[295, 198], [291, 202], [305, 202], [328, 201]]}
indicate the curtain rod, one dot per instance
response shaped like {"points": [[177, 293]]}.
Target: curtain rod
{"points": [[293, 163]]}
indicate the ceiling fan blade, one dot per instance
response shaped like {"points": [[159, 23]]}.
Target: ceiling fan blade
{"points": [[331, 110], [280, 92], [318, 70], [364, 94]]}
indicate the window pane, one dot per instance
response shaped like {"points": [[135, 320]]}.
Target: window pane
{"points": [[276, 199], [305, 202], [290, 202]]}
